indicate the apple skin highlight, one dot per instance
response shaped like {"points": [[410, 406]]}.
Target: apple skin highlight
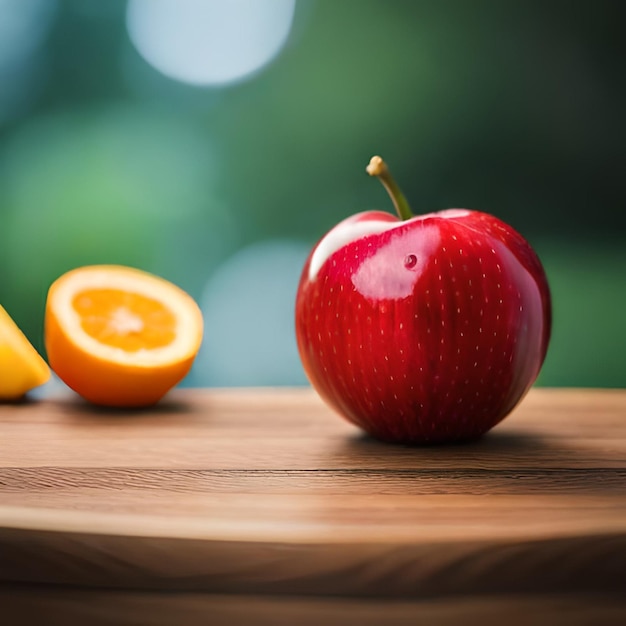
{"points": [[426, 329]]}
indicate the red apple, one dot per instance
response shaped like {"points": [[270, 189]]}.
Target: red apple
{"points": [[422, 329]]}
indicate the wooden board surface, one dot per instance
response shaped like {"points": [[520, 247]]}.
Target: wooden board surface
{"points": [[267, 494]]}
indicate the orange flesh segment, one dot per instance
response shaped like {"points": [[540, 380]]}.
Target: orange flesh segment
{"points": [[125, 320]]}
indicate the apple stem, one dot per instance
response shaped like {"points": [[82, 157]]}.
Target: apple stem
{"points": [[377, 167]]}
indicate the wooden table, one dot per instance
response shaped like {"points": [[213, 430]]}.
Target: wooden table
{"points": [[263, 507]]}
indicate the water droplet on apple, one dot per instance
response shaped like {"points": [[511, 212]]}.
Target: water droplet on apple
{"points": [[410, 261]]}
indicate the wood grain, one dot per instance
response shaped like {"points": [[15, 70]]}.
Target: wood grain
{"points": [[62, 606], [266, 494]]}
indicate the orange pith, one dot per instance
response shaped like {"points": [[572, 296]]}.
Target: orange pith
{"points": [[125, 320]]}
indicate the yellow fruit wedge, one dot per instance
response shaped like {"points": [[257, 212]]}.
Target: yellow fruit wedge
{"points": [[21, 366]]}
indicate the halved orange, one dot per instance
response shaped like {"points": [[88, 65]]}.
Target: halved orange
{"points": [[119, 336], [21, 366]]}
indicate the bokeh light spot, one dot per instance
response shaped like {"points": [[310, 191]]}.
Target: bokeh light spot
{"points": [[209, 42], [248, 306], [24, 25]]}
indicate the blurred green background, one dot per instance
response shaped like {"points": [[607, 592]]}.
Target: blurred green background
{"points": [[214, 141]]}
